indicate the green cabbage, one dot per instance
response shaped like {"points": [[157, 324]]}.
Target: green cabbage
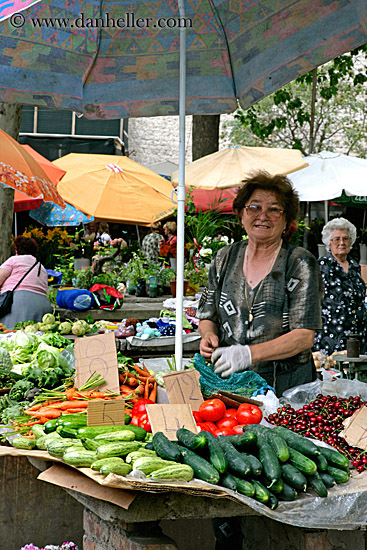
{"points": [[47, 356]]}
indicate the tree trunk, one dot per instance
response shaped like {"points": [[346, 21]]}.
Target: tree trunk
{"points": [[10, 123], [205, 135]]}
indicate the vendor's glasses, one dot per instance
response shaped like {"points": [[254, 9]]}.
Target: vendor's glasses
{"points": [[273, 212], [340, 240]]}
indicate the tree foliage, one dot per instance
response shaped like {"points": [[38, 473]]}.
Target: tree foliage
{"points": [[284, 118]]}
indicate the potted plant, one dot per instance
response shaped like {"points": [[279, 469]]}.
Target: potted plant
{"points": [[197, 277]]}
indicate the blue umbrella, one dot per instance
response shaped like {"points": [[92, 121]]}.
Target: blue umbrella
{"points": [[52, 215]]}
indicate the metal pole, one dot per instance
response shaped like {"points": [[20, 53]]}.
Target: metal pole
{"points": [[181, 196]]}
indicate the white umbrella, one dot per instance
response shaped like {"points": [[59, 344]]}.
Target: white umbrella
{"points": [[328, 175]]}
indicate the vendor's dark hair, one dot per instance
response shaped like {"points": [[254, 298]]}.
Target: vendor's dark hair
{"points": [[278, 184], [23, 245]]}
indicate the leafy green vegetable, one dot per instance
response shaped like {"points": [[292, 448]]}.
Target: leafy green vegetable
{"points": [[55, 339], [47, 356], [20, 389]]}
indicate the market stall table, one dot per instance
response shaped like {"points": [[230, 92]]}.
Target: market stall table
{"points": [[352, 367]]}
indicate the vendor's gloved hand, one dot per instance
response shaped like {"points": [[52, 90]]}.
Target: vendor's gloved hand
{"points": [[232, 359]]}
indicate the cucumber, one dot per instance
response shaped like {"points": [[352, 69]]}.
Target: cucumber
{"points": [[334, 458], [117, 448], [190, 440], [269, 460], [327, 479], [123, 435], [262, 494], [65, 431], [278, 444], [216, 454], [272, 502], [202, 468], [255, 464], [57, 447], [76, 418], [131, 457], [245, 487], [316, 483], [293, 477], [50, 425], [228, 481], [165, 448], [149, 446], [97, 464], [93, 431], [79, 458], [23, 443], [119, 468], [237, 463], [38, 431], [321, 463], [91, 444], [288, 493], [340, 476], [276, 487], [298, 442], [41, 442], [148, 464], [302, 462], [245, 441], [174, 472]]}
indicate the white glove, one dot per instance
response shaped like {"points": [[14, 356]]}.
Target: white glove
{"points": [[232, 359]]}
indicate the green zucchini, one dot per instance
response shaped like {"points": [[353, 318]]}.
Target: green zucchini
{"points": [[79, 458], [123, 435], [327, 479], [293, 477], [117, 448], [269, 460], [38, 431], [236, 462], [321, 463], [302, 462], [334, 458], [288, 493], [316, 483], [23, 443], [340, 476], [72, 421], [202, 468], [272, 502], [121, 469], [245, 487], [216, 455], [97, 464], [255, 464], [245, 441], [165, 448], [278, 444], [262, 494], [228, 481], [190, 440], [174, 472], [298, 442], [50, 425], [65, 431], [93, 431]]}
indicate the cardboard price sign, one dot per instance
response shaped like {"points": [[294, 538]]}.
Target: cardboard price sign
{"points": [[97, 354], [356, 432], [183, 387], [169, 418], [106, 413]]}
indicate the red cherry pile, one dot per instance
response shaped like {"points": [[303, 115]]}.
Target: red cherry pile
{"points": [[322, 419]]}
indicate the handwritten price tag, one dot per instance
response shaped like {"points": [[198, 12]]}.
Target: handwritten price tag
{"points": [[356, 431], [169, 418], [106, 413], [183, 387], [97, 354]]}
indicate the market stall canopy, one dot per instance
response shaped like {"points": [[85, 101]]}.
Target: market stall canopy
{"points": [[53, 216], [22, 202], [328, 175], [21, 171], [228, 167], [111, 187], [235, 51]]}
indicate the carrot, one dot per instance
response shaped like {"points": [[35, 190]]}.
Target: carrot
{"points": [[146, 390], [72, 411], [140, 390], [46, 414], [141, 372], [29, 435], [153, 393], [44, 404], [73, 405], [146, 370], [125, 387]]}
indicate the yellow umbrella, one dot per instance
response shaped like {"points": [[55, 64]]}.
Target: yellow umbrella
{"points": [[114, 188], [228, 167]]}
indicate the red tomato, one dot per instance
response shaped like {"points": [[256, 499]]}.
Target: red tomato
{"points": [[230, 412], [249, 414], [227, 422], [238, 429], [144, 422], [208, 427], [139, 407], [197, 416], [224, 431], [212, 410]]}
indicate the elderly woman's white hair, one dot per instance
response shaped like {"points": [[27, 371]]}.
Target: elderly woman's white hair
{"points": [[333, 225]]}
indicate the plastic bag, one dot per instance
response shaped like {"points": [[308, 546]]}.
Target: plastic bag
{"points": [[67, 359]]}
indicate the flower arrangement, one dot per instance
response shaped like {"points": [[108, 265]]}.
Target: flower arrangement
{"points": [[168, 249], [51, 244], [63, 546], [210, 245]]}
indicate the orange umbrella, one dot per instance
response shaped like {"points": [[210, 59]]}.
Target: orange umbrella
{"points": [[19, 170], [113, 187]]}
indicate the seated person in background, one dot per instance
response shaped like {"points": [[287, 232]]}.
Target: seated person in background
{"points": [[151, 242], [89, 232], [30, 298], [103, 236], [343, 308]]}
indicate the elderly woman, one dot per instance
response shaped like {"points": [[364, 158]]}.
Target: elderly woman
{"points": [[261, 305], [30, 298], [151, 243], [343, 310]]}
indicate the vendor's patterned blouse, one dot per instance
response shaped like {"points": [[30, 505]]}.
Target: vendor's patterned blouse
{"points": [[289, 298], [343, 308], [150, 246]]}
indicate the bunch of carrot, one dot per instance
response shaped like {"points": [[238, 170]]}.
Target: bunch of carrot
{"points": [[137, 383]]}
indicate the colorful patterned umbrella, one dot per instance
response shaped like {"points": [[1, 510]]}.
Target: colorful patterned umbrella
{"points": [[130, 67], [52, 215]]}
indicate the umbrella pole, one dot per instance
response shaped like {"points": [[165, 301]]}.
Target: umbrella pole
{"points": [[181, 197], [326, 210]]}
